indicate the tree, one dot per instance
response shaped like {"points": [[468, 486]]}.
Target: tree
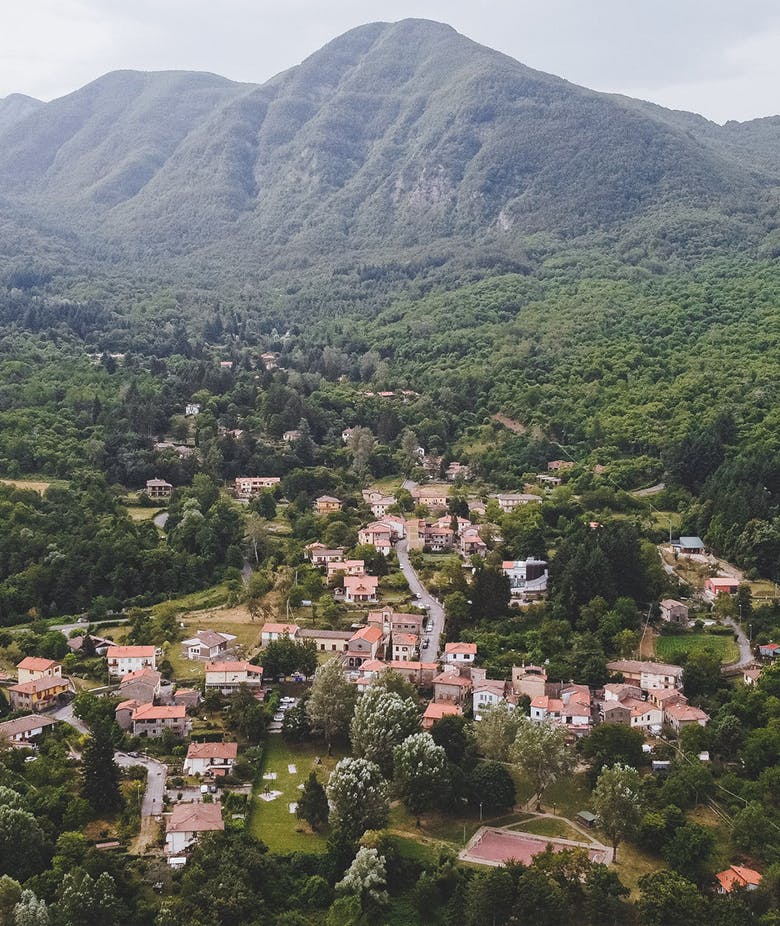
{"points": [[86, 901], [605, 897], [382, 720], [247, 715], [489, 898], [366, 879], [688, 851], [612, 743], [100, 774], [357, 794], [10, 895], [256, 534], [617, 800], [489, 593], [420, 768], [496, 732], [457, 612], [541, 752], [667, 899], [23, 845], [491, 784], [702, 672], [285, 657], [30, 911], [450, 733], [313, 803], [331, 702]]}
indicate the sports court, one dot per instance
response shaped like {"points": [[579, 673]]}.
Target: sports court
{"points": [[491, 846]]}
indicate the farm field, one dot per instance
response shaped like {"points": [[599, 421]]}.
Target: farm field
{"points": [[669, 649]]}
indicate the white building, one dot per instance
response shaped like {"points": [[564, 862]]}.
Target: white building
{"points": [[122, 660], [210, 758], [273, 631], [460, 654], [187, 822], [228, 677], [208, 644]]}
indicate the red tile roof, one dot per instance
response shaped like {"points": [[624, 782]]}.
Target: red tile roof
{"points": [[212, 751], [36, 664], [737, 876]]}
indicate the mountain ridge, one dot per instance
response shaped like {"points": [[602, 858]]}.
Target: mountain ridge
{"points": [[391, 136]]}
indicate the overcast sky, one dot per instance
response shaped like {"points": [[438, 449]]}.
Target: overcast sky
{"points": [[720, 58]]}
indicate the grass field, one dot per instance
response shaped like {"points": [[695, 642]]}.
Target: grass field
{"points": [[237, 621], [142, 514], [37, 485], [669, 649], [272, 821]]}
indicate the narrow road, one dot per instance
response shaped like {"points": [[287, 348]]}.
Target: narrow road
{"points": [[160, 520], [66, 715], [745, 652], [433, 607], [152, 803]]}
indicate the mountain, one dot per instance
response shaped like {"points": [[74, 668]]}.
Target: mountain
{"points": [[15, 107], [392, 138]]}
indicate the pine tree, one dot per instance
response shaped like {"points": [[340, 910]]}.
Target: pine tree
{"points": [[313, 804], [100, 774]]}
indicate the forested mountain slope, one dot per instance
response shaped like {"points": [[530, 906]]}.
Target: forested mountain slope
{"points": [[392, 137]]}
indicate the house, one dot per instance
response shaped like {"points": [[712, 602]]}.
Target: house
{"points": [[544, 709], [123, 713], [396, 622], [39, 693], [397, 526], [228, 677], [33, 667], [346, 434], [364, 644], [189, 697], [769, 650], [721, 585], [269, 359], [689, 546], [451, 687], [158, 488], [416, 673], [24, 729], [378, 502], [674, 612], [187, 822], [101, 645], [435, 711], [558, 466], [527, 578], [737, 876], [192, 408], [246, 486], [320, 555], [461, 654], [488, 693], [377, 535], [681, 715], [436, 537], [508, 501], [457, 470], [548, 481], [290, 437], [208, 644], [528, 680], [648, 674], [326, 641], [272, 632], [210, 758], [326, 504], [471, 544], [350, 567], [432, 496], [577, 707], [143, 686], [751, 675], [360, 588], [614, 712], [125, 659], [405, 646], [152, 720]]}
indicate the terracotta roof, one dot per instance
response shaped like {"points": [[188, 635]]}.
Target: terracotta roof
{"points": [[41, 684], [36, 664], [683, 712], [370, 634], [26, 724], [212, 751], [436, 711], [129, 705], [737, 876], [147, 672], [449, 678], [405, 639], [130, 652], [354, 583], [195, 818], [412, 664], [493, 685], [465, 648], [270, 627], [373, 665], [635, 665]]}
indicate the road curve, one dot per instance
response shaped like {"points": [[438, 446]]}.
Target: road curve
{"points": [[745, 651], [425, 599], [152, 803]]}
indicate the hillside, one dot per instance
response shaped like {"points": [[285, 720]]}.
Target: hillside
{"points": [[393, 138]]}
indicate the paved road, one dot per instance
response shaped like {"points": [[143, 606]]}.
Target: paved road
{"points": [[152, 803], [745, 652], [434, 608], [66, 715], [160, 520]]}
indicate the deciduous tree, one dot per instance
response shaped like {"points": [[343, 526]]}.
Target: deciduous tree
{"points": [[357, 794], [331, 702], [617, 800]]}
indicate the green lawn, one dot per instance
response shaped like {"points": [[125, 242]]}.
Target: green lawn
{"points": [[669, 649], [272, 821]]}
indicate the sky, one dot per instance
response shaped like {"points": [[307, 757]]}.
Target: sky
{"points": [[720, 58]]}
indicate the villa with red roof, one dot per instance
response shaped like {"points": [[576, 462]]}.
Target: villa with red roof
{"points": [[152, 720], [737, 876], [210, 758], [365, 644], [33, 667], [359, 589], [187, 822], [461, 654], [405, 646], [228, 677], [434, 712], [125, 659], [451, 687], [377, 535], [272, 632]]}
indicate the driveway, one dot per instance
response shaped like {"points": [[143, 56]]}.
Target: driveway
{"points": [[66, 715], [746, 656], [433, 606]]}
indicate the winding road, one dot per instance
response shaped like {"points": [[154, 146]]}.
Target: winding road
{"points": [[425, 600]]}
